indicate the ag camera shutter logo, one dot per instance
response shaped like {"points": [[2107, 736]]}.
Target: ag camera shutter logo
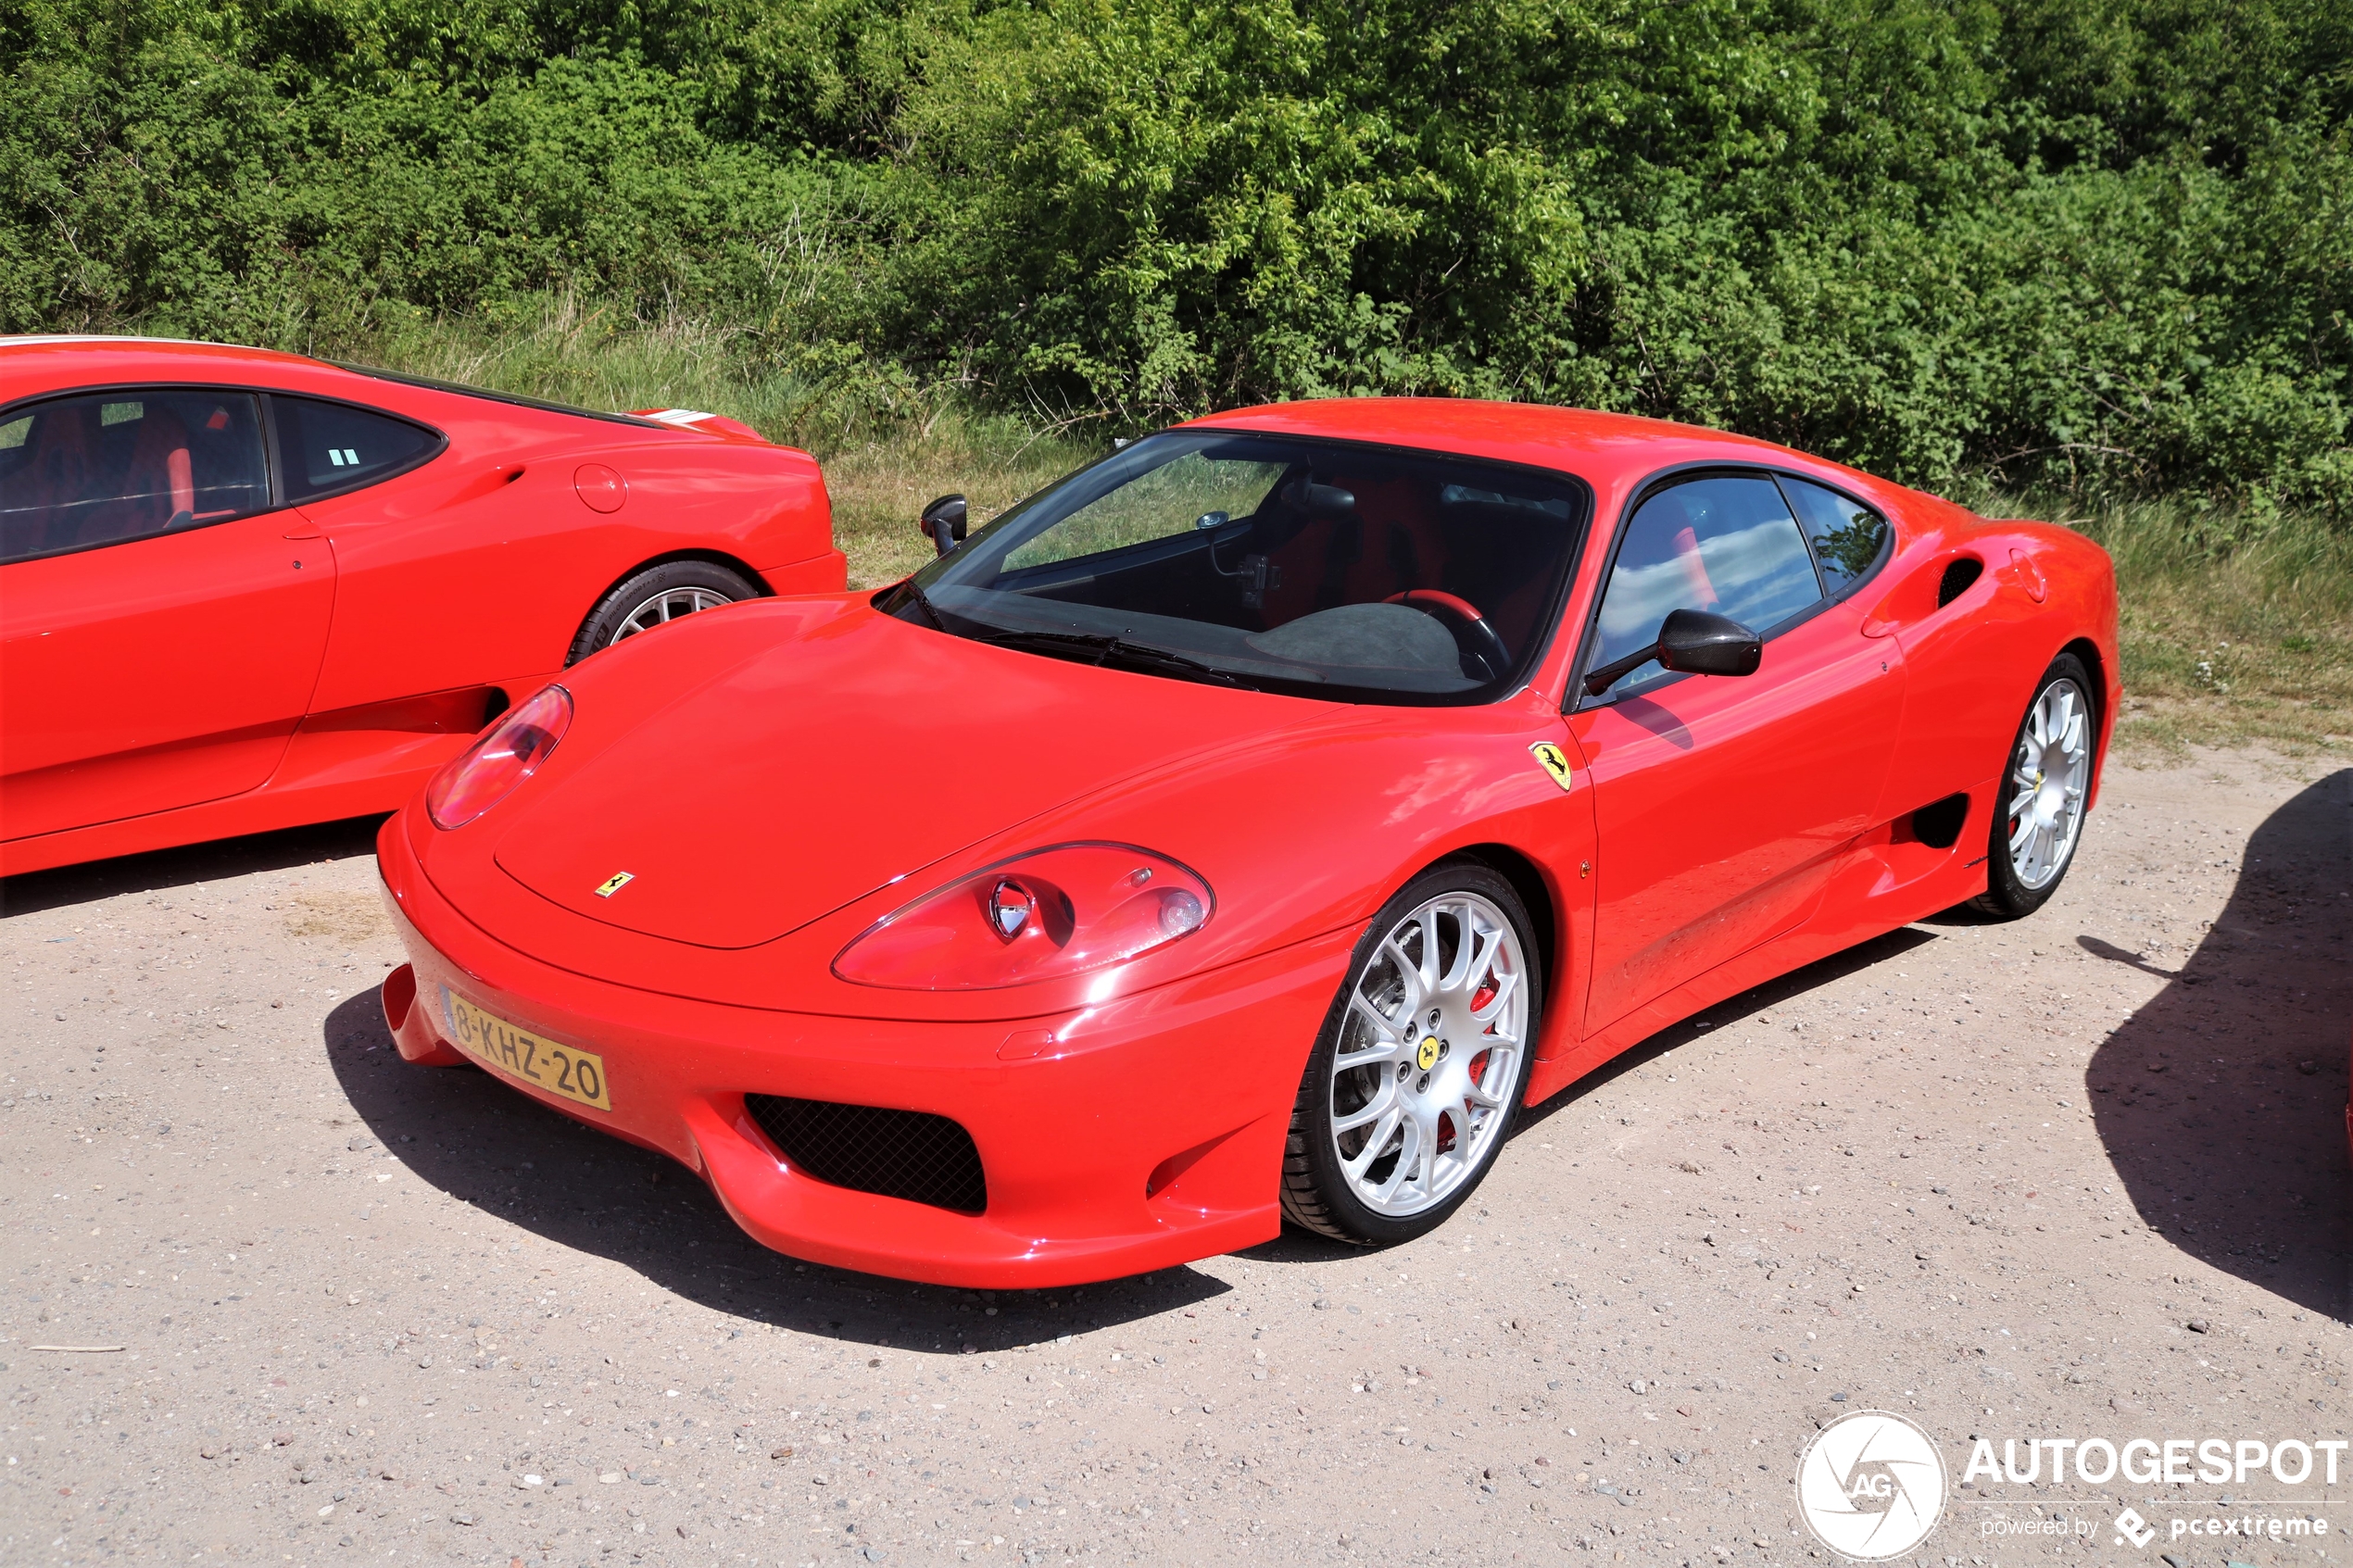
{"points": [[1871, 1486]]}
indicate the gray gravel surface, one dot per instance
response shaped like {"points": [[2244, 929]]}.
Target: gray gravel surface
{"points": [[2082, 1175]]}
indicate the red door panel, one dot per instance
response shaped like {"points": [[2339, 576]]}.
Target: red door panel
{"points": [[1722, 803], [158, 673]]}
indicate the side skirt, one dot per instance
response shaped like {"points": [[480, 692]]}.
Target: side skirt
{"points": [[1881, 887]]}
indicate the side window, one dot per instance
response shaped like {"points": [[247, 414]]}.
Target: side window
{"points": [[331, 447], [1847, 535], [110, 467], [1726, 545]]}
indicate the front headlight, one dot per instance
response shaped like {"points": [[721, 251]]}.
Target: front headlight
{"points": [[507, 753], [1039, 916]]}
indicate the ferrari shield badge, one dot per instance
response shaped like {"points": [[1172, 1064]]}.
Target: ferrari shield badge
{"points": [[1554, 760], [615, 883]]}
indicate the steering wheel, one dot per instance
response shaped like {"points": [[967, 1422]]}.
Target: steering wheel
{"points": [[1473, 636]]}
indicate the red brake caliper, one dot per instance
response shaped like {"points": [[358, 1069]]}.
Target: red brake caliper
{"points": [[1479, 998]]}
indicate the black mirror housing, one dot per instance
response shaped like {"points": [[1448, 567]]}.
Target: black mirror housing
{"points": [[943, 522], [1691, 642], [1696, 643]]}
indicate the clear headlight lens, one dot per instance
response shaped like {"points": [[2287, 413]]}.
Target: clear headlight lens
{"points": [[1041, 916], [505, 755]]}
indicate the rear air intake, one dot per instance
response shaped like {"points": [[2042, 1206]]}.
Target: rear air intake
{"points": [[1958, 578], [908, 1154]]}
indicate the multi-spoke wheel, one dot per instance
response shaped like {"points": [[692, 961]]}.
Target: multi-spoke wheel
{"points": [[668, 604], [658, 594], [1412, 1084], [2043, 794]]}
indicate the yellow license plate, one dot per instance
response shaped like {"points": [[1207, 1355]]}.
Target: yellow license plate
{"points": [[561, 1070]]}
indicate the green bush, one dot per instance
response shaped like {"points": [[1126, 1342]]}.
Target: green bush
{"points": [[2092, 247]]}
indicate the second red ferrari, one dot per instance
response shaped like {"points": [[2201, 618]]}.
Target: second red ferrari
{"points": [[242, 590]]}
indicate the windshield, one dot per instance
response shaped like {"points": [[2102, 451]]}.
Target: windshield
{"points": [[1323, 567]]}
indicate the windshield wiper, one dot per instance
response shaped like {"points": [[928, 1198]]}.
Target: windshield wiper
{"points": [[1106, 649], [923, 602]]}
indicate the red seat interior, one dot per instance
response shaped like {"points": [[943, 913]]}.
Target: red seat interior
{"points": [[81, 481], [60, 470], [156, 488]]}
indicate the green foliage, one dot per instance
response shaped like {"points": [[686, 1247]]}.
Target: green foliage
{"points": [[2098, 248], [2250, 643]]}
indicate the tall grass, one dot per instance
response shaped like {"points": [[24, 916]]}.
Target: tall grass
{"points": [[887, 449], [2237, 626]]}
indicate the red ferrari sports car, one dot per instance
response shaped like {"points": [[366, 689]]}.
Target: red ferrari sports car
{"points": [[242, 590], [1244, 827]]}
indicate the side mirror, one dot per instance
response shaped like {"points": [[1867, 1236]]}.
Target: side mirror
{"points": [[943, 523], [1691, 642], [1696, 642]]}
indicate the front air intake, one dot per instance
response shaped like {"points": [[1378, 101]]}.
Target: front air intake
{"points": [[909, 1154]]}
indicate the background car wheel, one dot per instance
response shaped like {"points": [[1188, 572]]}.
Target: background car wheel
{"points": [[1415, 1078], [2043, 794], [656, 594]]}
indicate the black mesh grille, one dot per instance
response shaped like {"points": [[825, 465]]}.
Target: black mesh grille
{"points": [[908, 1154]]}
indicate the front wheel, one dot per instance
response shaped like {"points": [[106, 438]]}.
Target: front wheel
{"points": [[1414, 1082], [2043, 794]]}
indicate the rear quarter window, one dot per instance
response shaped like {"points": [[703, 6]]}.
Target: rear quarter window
{"points": [[1847, 536], [329, 447]]}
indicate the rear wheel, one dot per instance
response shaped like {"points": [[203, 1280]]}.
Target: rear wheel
{"points": [[1414, 1082], [655, 597], [2043, 794]]}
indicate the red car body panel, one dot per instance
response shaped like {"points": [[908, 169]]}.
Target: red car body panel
{"points": [[318, 660], [779, 778]]}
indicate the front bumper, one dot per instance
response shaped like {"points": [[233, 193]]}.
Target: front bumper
{"points": [[1185, 1090]]}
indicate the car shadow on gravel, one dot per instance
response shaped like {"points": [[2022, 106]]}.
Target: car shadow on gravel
{"points": [[505, 1155], [214, 862], [1734, 1010], [2221, 1101]]}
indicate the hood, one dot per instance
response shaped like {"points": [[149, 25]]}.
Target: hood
{"points": [[836, 762]]}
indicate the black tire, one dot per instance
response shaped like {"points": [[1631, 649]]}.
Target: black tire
{"points": [[1317, 1191], [687, 579], [2009, 895]]}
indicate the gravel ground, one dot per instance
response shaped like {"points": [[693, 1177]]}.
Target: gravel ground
{"points": [[2080, 1176]]}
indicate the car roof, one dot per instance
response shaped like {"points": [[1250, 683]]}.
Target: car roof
{"points": [[150, 351], [99, 360], [1580, 440]]}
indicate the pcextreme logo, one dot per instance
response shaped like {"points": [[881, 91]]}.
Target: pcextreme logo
{"points": [[1871, 1486]]}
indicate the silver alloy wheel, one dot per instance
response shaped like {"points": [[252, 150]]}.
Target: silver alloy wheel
{"points": [[2051, 775], [668, 604], [1428, 1054]]}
